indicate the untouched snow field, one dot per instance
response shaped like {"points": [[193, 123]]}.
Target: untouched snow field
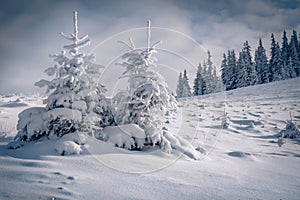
{"points": [[243, 161]]}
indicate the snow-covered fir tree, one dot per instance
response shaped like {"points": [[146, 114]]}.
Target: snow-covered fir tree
{"points": [[199, 83], [284, 51], [294, 59], [75, 100], [218, 85], [204, 69], [208, 74], [233, 73], [179, 86], [186, 88], [261, 64], [212, 81], [275, 63], [247, 75], [225, 72], [148, 96]]}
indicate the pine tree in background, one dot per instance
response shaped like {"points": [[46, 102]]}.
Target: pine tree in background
{"points": [[186, 89], [293, 68], [284, 51], [205, 72], [179, 86], [276, 65], [199, 83], [247, 75], [297, 43], [208, 75], [294, 60], [207, 81], [225, 73], [261, 64], [233, 70]]}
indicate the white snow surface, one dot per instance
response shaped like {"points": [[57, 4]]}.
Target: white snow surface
{"points": [[243, 161]]}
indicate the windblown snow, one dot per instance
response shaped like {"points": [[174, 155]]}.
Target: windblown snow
{"points": [[245, 159]]}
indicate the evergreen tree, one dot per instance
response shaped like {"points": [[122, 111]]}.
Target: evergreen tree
{"points": [[76, 100], [186, 89], [247, 75], [218, 85], [294, 60], [293, 68], [208, 75], [205, 72], [233, 70], [148, 96], [261, 64], [284, 51], [199, 83], [277, 71], [225, 72], [179, 86]]}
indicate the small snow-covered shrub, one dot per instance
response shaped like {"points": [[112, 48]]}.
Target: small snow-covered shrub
{"points": [[34, 123], [31, 125], [291, 130], [225, 123]]}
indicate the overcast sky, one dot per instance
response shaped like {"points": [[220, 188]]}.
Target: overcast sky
{"points": [[29, 29]]}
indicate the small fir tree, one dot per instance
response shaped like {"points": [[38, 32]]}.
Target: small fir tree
{"points": [[148, 96]]}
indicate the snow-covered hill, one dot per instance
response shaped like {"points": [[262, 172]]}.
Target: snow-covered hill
{"points": [[243, 161]]}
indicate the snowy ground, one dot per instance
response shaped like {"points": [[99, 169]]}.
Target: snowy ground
{"points": [[241, 162]]}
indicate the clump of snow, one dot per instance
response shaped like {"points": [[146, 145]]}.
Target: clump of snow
{"points": [[128, 136], [68, 148]]}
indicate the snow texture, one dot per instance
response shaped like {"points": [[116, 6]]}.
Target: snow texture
{"points": [[241, 162]]}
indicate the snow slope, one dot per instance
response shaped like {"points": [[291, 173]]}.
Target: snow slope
{"points": [[243, 161]]}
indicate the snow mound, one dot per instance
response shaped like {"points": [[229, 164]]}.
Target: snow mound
{"points": [[239, 154], [14, 105], [68, 148], [128, 136]]}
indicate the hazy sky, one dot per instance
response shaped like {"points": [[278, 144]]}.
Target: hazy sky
{"points": [[29, 29]]}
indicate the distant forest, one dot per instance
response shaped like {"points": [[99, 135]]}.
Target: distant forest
{"points": [[243, 71]]}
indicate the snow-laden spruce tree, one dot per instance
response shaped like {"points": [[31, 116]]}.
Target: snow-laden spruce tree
{"points": [[199, 83], [225, 72], [293, 63], [276, 65], [75, 100], [261, 64], [186, 88], [148, 97], [183, 86], [179, 89], [247, 75], [233, 72]]}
